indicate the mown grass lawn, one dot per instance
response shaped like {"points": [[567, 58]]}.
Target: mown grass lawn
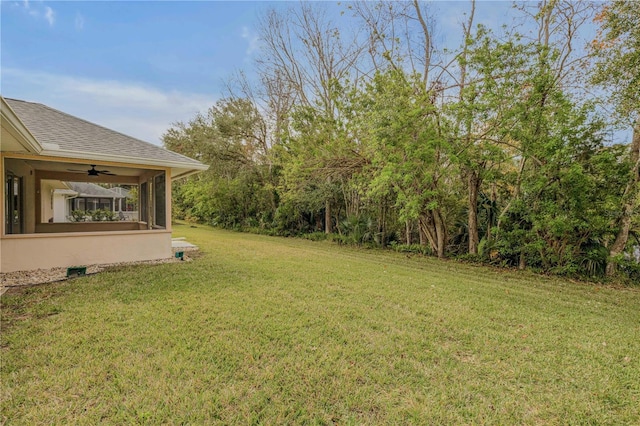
{"points": [[263, 330]]}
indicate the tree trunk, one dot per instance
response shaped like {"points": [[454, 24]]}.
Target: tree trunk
{"points": [[382, 227], [490, 219], [474, 186], [422, 235], [327, 217], [426, 227], [441, 234], [433, 227], [629, 198], [327, 212], [407, 230]]}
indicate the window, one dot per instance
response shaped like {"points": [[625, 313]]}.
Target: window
{"points": [[105, 204]]}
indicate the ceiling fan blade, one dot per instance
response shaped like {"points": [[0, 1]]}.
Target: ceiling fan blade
{"points": [[93, 172]]}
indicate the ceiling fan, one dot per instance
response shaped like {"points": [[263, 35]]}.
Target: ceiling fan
{"points": [[93, 172]]}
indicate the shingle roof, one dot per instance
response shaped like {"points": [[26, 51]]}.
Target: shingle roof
{"points": [[88, 189], [50, 126], [121, 191]]}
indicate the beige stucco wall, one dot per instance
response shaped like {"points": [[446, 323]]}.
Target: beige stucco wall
{"points": [[41, 251], [46, 205]]}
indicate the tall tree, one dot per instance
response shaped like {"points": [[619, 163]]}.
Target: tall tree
{"points": [[306, 53], [617, 48], [534, 127], [231, 138], [409, 152]]}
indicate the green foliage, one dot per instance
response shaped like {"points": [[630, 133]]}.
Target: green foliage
{"points": [[411, 248], [409, 154], [237, 190], [78, 215], [594, 259], [289, 220], [629, 270], [358, 230], [617, 49], [315, 236], [132, 197], [96, 215], [109, 215], [100, 215], [396, 155]]}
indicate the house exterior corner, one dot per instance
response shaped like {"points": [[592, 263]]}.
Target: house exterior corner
{"points": [[61, 197]]}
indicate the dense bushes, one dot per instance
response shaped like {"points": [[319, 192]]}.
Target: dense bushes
{"points": [[498, 160]]}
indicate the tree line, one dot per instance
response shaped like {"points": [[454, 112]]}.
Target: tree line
{"points": [[361, 129]]}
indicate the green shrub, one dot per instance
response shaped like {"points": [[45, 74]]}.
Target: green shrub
{"points": [[78, 216], [100, 215], [628, 268], [315, 236], [357, 229], [109, 215], [96, 215], [411, 248], [339, 238]]}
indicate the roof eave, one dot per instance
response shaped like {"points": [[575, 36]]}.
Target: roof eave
{"points": [[190, 167], [186, 173], [16, 126]]}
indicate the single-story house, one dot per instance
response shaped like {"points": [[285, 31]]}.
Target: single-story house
{"points": [[44, 152], [71, 201], [88, 197]]}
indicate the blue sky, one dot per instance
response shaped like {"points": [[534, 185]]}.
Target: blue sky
{"points": [[138, 66], [132, 66]]}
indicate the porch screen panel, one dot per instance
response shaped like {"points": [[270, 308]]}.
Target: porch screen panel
{"points": [[144, 197], [13, 205], [105, 204], [78, 204], [159, 202]]}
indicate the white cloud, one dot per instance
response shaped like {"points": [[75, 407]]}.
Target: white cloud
{"points": [[132, 108], [79, 22], [49, 15], [252, 39], [39, 11]]}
